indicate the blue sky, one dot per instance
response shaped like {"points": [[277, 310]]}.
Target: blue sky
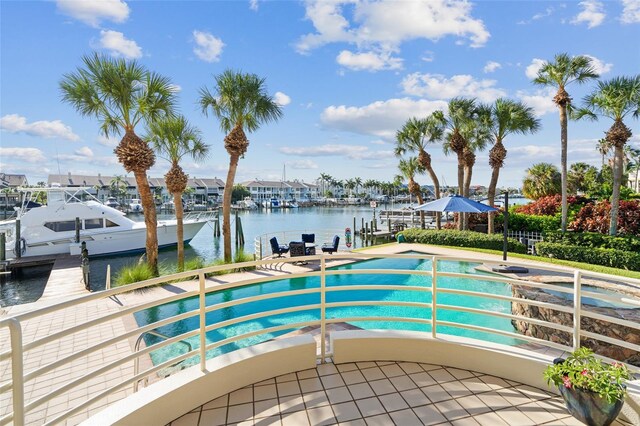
{"points": [[347, 74]]}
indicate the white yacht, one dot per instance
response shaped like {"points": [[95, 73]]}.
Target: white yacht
{"points": [[135, 206], [51, 228]]}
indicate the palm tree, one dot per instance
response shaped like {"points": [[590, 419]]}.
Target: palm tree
{"points": [[324, 177], [240, 103], [507, 117], [615, 99], [414, 137], [542, 179], [173, 139], [121, 94], [118, 187], [563, 71], [409, 168], [578, 177], [358, 182], [603, 148]]}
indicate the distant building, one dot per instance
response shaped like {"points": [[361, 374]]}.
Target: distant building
{"points": [[262, 190], [9, 185], [12, 181], [101, 186]]}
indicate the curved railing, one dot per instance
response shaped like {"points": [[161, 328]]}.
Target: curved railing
{"points": [[70, 346]]}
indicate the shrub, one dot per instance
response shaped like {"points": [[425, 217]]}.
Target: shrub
{"points": [[461, 239], [239, 257], [595, 256], [549, 205], [132, 274], [532, 223], [595, 218], [595, 240]]}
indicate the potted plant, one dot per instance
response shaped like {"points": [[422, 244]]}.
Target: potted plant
{"points": [[593, 390]]}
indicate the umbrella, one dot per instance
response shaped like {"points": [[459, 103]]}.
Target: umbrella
{"points": [[456, 203]]}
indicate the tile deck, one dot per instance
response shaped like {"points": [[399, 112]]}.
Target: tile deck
{"points": [[383, 393]]}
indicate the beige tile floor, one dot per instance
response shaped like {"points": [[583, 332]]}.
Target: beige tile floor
{"points": [[383, 393]]}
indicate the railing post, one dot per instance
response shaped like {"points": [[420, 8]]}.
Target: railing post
{"points": [[108, 283], [323, 299], [17, 371], [434, 280], [203, 325], [577, 308]]}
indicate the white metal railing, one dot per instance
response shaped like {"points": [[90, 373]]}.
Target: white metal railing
{"points": [[529, 238], [19, 351]]}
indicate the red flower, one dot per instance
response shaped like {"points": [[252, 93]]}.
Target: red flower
{"points": [[584, 373], [567, 382]]}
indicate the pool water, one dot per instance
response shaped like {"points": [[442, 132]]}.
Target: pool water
{"points": [[164, 311]]}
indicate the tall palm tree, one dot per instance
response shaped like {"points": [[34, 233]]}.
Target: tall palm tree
{"points": [[541, 179], [173, 139], [358, 182], [414, 137], [118, 187], [578, 177], [324, 177], [603, 148], [507, 117], [241, 102], [559, 73], [615, 99], [121, 94], [350, 184], [409, 168]]}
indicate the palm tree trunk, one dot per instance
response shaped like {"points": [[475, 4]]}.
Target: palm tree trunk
{"points": [[226, 205], [460, 187], [150, 219], [491, 195], [421, 201], [563, 164], [177, 201], [436, 190], [468, 171], [617, 181]]}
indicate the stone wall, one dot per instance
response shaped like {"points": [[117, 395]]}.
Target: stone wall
{"points": [[604, 328]]}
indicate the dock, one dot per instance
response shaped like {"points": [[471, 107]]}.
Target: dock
{"points": [[65, 279]]}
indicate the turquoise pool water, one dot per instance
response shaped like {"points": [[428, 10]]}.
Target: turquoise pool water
{"points": [[164, 311]]}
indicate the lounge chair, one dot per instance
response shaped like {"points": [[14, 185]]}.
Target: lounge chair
{"points": [[278, 249], [331, 247]]}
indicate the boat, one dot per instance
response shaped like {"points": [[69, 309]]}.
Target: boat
{"points": [[112, 202], [275, 203], [51, 228], [291, 204], [135, 206], [248, 203]]}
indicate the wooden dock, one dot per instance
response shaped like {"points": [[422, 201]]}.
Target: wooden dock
{"points": [[27, 262], [65, 279]]}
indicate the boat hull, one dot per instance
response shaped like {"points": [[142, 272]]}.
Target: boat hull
{"points": [[109, 243]]}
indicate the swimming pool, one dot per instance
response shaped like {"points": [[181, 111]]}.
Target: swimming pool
{"points": [[151, 315]]}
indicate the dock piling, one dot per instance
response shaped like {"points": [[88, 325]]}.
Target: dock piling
{"points": [[17, 247], [2, 247], [77, 230]]}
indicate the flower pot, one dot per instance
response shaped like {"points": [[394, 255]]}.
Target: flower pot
{"points": [[589, 407]]}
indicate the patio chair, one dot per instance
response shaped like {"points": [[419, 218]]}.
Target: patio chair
{"points": [[331, 247], [296, 248], [309, 241], [278, 249]]}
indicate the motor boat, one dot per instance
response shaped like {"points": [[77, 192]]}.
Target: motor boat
{"points": [[112, 202], [135, 206], [72, 216], [275, 203]]}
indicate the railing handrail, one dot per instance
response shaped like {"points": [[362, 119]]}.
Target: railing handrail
{"points": [[14, 323]]}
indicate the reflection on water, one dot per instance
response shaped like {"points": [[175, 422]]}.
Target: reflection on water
{"points": [[23, 286]]}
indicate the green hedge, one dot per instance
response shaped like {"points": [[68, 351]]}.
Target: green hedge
{"points": [[595, 240], [461, 239], [596, 256], [532, 223]]}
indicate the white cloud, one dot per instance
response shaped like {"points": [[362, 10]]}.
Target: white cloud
{"points": [[92, 12], [324, 150], [378, 142], [208, 48], [541, 100], [428, 56], [491, 66], [547, 12], [380, 119], [281, 99], [532, 69], [381, 26], [30, 155], [302, 164], [369, 61], [253, 5], [14, 123], [592, 14], [175, 88], [600, 66], [630, 12], [85, 151], [437, 86], [116, 43], [110, 142], [353, 152]]}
